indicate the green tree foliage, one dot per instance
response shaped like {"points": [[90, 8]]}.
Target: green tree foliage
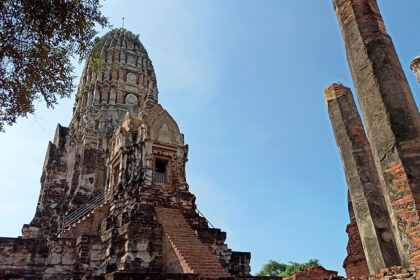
{"points": [[37, 40], [273, 268]]}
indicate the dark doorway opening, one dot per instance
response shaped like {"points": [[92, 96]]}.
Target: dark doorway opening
{"points": [[161, 174]]}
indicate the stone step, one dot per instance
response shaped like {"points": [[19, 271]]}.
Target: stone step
{"points": [[188, 247]]}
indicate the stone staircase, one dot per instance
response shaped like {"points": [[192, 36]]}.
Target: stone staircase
{"points": [[194, 256], [87, 224]]}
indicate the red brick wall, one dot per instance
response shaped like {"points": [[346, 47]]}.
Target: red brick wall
{"points": [[355, 263], [313, 273]]}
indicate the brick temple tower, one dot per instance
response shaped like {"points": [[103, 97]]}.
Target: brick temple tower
{"points": [[114, 200], [75, 167]]}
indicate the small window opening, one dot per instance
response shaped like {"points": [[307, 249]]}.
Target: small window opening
{"points": [[108, 223], [161, 171]]}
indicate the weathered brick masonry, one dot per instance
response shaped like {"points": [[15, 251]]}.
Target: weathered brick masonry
{"points": [[355, 263], [314, 273], [114, 201], [365, 191], [392, 123]]}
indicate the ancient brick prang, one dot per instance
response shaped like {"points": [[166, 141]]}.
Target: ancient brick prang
{"points": [[75, 169], [415, 67], [114, 201]]}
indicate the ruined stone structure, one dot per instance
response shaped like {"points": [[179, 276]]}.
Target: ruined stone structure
{"points": [[114, 201], [415, 67], [115, 204], [355, 263], [368, 202], [314, 273], [383, 173]]}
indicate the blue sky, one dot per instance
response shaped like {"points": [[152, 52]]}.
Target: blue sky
{"points": [[244, 80]]}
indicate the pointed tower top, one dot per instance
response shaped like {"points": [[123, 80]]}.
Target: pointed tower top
{"points": [[118, 77]]}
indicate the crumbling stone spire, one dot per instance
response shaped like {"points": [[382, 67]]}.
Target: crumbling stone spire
{"points": [[368, 201], [415, 67], [390, 114], [114, 202], [118, 78]]}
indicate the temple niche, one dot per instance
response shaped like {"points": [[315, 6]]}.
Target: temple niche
{"points": [[132, 78]]}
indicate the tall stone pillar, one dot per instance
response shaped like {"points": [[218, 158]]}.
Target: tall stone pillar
{"points": [[390, 114], [415, 67], [368, 201]]}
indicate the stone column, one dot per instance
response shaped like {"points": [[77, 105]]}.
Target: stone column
{"points": [[390, 114], [415, 67], [366, 194]]}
